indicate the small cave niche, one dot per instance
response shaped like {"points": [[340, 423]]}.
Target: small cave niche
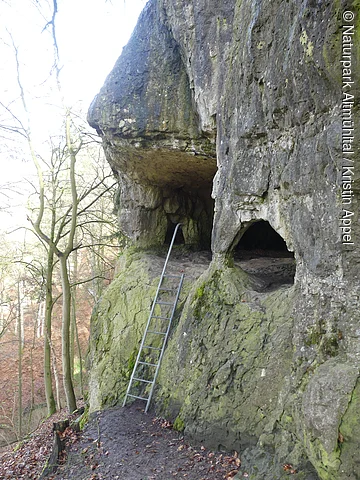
{"points": [[260, 239], [182, 182], [194, 210], [263, 253]]}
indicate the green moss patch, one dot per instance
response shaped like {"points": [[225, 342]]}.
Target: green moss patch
{"points": [[179, 424]]}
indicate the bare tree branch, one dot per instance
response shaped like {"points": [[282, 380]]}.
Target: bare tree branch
{"points": [[51, 23]]}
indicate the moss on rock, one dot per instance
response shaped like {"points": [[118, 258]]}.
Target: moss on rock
{"points": [[349, 434], [272, 373], [119, 320], [230, 367], [117, 325], [179, 424]]}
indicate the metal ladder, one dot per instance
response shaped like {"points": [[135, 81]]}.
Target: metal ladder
{"points": [[156, 333]]}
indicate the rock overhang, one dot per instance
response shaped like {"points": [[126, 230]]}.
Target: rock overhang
{"points": [[156, 114], [152, 136], [160, 166], [267, 71]]}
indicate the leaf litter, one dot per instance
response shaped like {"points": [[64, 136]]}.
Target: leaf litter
{"points": [[118, 443]]}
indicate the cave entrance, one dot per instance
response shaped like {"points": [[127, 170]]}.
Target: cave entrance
{"points": [[260, 239], [263, 253], [193, 208]]}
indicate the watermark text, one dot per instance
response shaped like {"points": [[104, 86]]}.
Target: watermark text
{"points": [[348, 130]]}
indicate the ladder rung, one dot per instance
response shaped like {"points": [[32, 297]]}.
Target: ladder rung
{"points": [[141, 380], [149, 364], [135, 396], [173, 287]]}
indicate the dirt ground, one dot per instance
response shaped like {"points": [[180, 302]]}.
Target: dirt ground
{"points": [[117, 443], [267, 269], [127, 444]]}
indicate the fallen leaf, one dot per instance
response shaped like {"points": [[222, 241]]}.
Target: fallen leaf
{"points": [[232, 473], [289, 468]]}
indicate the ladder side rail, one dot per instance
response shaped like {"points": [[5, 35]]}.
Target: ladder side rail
{"points": [[164, 344], [143, 340], [151, 313], [170, 249], [142, 343]]}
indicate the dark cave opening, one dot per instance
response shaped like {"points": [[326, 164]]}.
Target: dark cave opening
{"points": [[263, 254], [194, 210], [179, 239], [260, 239]]}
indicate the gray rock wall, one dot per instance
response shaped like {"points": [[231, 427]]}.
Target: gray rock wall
{"points": [[243, 98]]}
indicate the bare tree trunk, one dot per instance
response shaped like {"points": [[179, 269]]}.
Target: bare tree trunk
{"points": [[72, 331], [40, 319], [74, 277], [66, 315], [65, 281], [37, 228], [21, 325], [80, 361], [32, 398], [49, 394], [20, 352], [56, 376], [95, 270], [16, 326], [42, 325]]}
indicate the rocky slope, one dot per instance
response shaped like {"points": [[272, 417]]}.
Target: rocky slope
{"points": [[219, 115]]}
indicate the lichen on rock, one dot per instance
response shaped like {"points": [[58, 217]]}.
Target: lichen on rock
{"points": [[219, 115]]}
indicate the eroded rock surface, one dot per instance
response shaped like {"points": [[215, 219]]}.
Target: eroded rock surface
{"points": [[241, 98]]}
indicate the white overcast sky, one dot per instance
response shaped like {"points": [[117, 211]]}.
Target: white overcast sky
{"points": [[90, 35]]}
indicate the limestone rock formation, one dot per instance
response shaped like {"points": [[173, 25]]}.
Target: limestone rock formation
{"points": [[223, 115]]}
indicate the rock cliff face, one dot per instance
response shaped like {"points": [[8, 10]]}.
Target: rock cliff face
{"points": [[220, 115]]}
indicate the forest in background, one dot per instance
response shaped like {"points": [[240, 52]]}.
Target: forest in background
{"points": [[58, 239]]}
